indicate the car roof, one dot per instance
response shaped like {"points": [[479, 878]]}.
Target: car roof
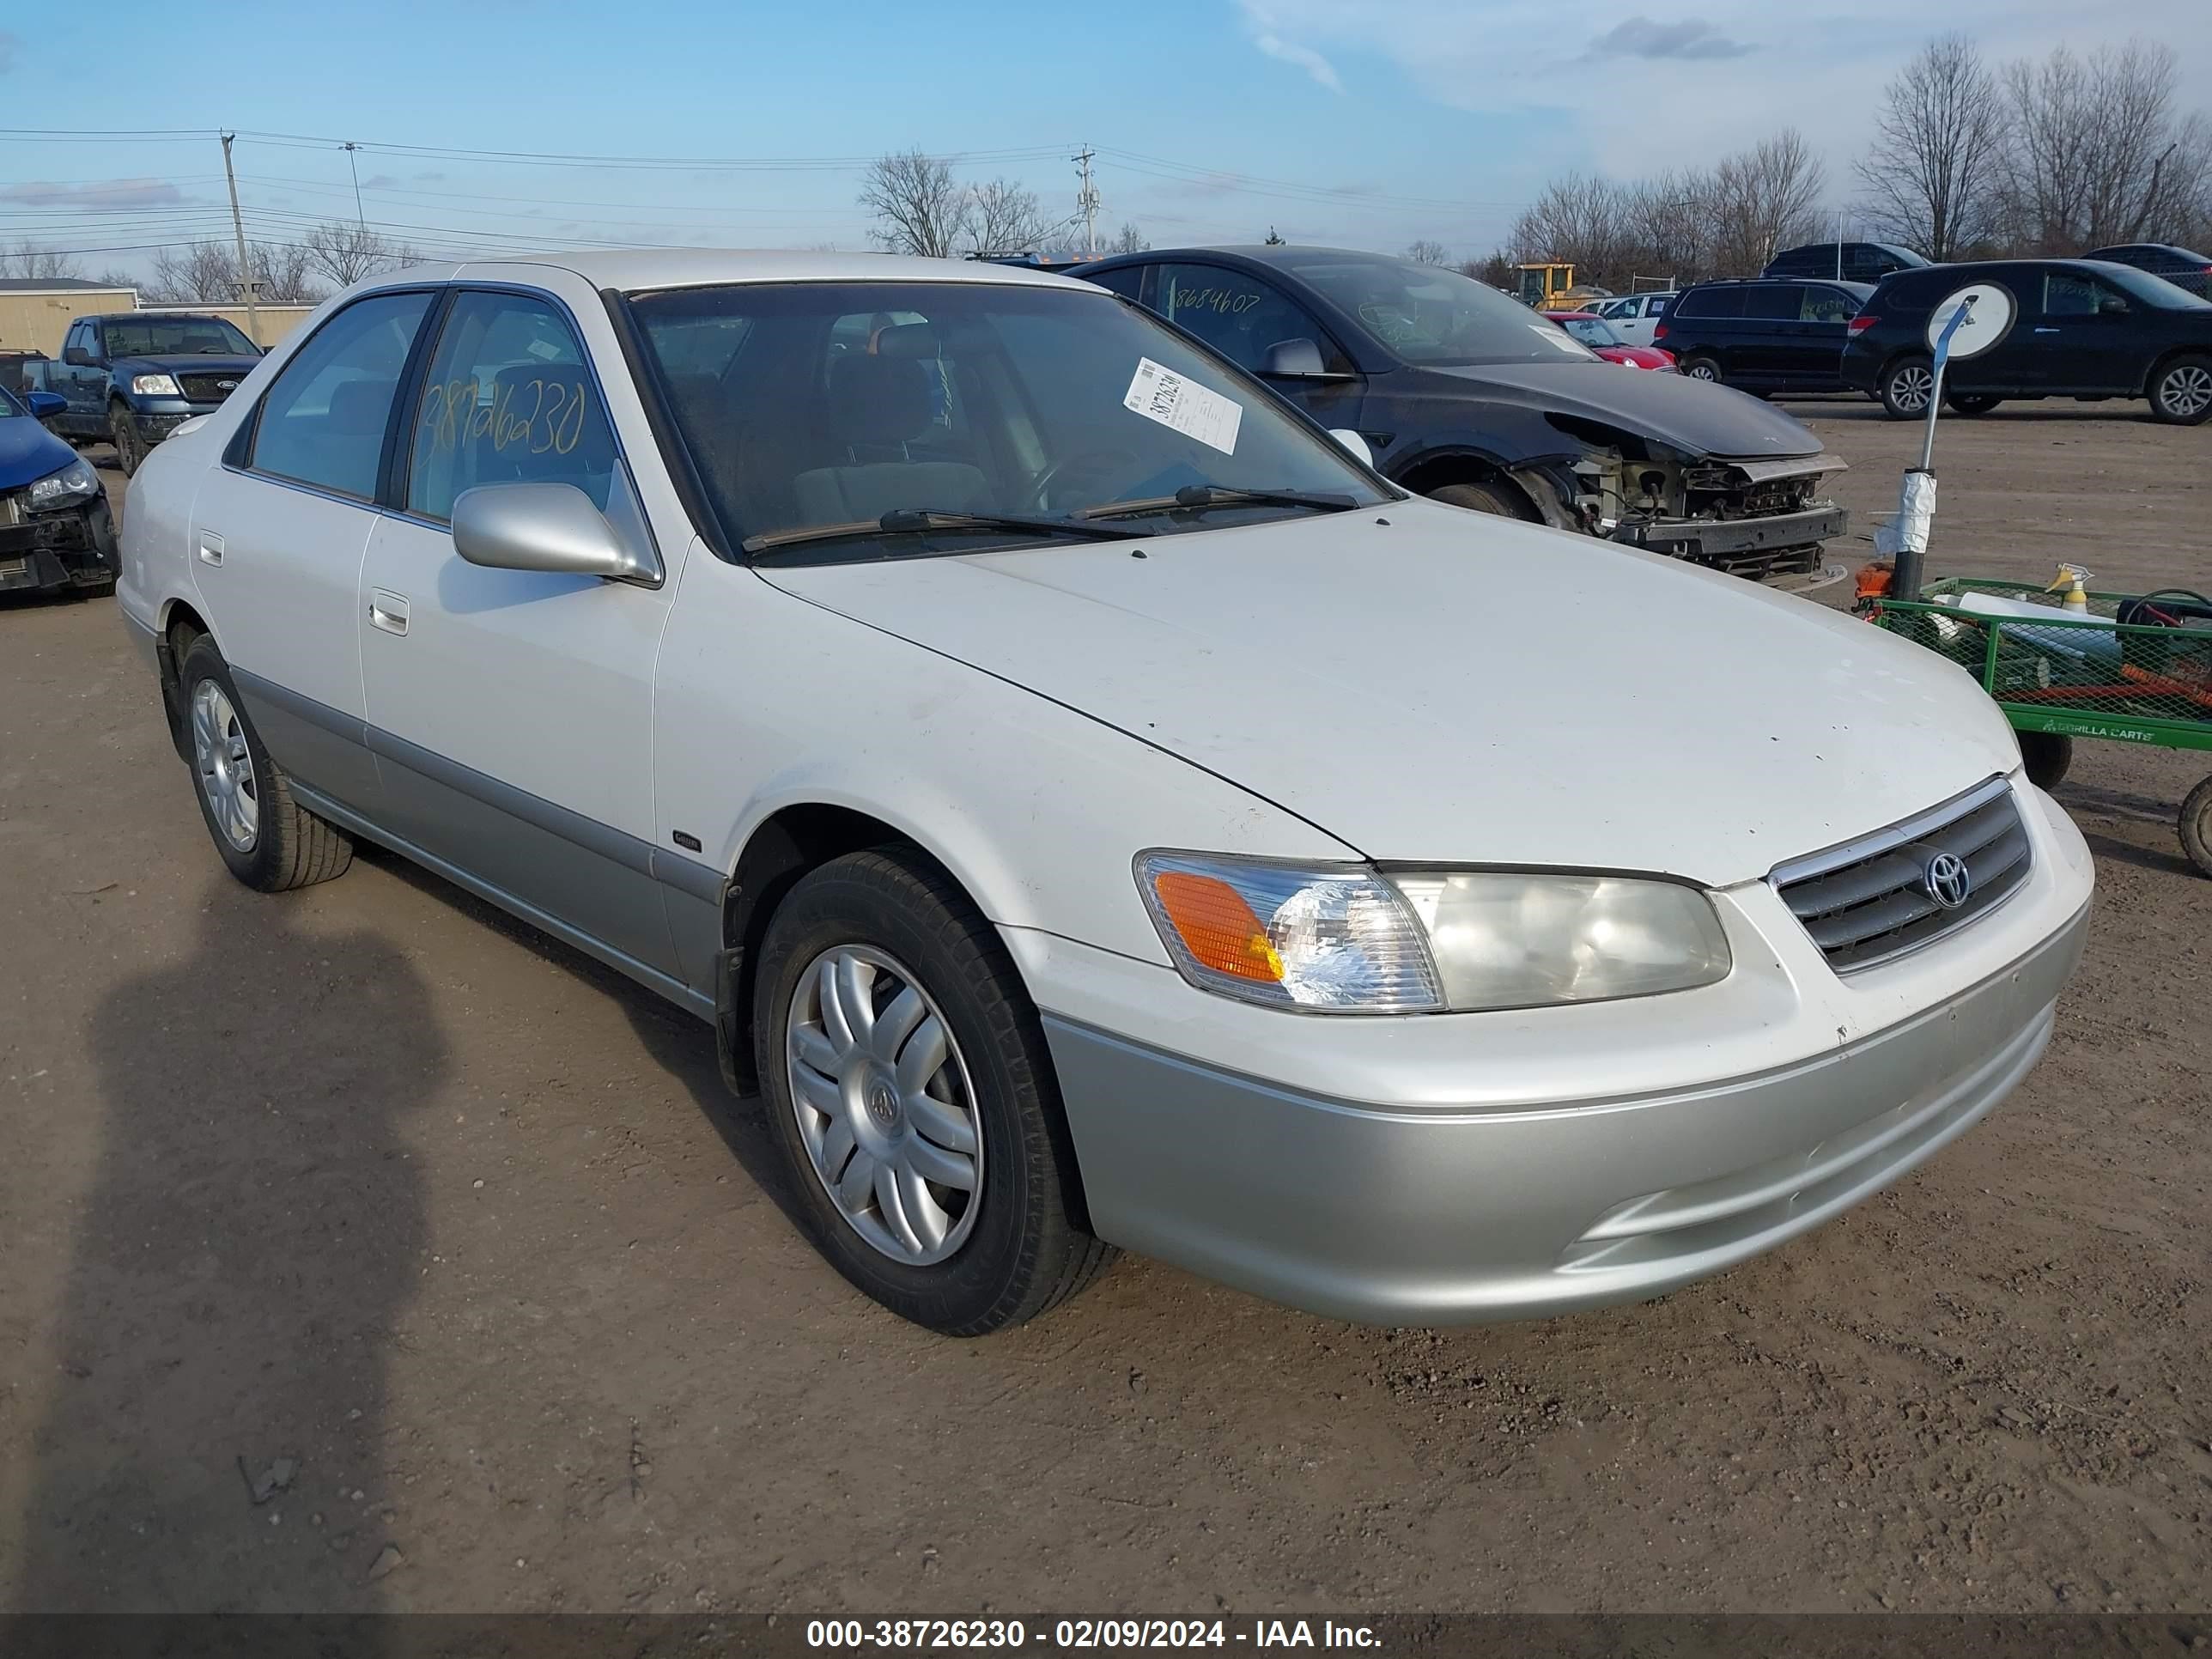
{"points": [[2174, 249], [1265, 253], [1862, 289], [633, 270]]}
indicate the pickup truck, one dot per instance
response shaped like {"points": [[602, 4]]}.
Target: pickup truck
{"points": [[132, 377]]}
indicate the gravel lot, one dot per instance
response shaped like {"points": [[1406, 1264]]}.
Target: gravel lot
{"points": [[364, 1249]]}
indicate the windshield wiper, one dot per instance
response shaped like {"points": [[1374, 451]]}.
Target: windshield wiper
{"points": [[917, 521], [1194, 495]]}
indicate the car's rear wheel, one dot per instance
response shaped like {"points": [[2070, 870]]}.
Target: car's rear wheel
{"points": [[269, 841], [1906, 387], [2195, 825], [2181, 391], [1967, 403], [2047, 757], [1702, 368], [909, 1086], [123, 433], [1500, 499]]}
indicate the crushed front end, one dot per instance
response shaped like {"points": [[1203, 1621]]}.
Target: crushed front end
{"points": [[1766, 519], [56, 549]]}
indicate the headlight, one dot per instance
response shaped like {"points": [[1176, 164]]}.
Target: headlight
{"points": [[1503, 940], [77, 482], [155, 385], [1345, 938]]}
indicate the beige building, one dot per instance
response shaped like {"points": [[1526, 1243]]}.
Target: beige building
{"points": [[34, 313]]}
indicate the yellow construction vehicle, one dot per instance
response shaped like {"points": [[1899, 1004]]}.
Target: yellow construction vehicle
{"points": [[1543, 286]]}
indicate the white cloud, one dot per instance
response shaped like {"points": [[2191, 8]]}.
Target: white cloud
{"points": [[1260, 24], [1636, 85]]}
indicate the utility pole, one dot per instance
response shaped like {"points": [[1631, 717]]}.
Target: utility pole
{"points": [[360, 217], [238, 229], [1086, 199]]}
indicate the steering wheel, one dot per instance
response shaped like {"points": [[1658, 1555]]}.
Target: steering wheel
{"points": [[1083, 463]]}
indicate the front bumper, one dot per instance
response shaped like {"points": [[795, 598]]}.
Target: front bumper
{"points": [[57, 552], [157, 419], [1732, 539], [1462, 1169]]}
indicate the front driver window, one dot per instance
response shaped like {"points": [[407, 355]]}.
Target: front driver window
{"points": [[323, 420], [1239, 316], [508, 399]]}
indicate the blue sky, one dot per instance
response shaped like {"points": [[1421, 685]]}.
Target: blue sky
{"points": [[1382, 120]]}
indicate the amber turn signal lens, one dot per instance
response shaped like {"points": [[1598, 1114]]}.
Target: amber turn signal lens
{"points": [[1217, 926]]}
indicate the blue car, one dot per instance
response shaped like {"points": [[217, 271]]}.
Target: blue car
{"points": [[56, 533]]}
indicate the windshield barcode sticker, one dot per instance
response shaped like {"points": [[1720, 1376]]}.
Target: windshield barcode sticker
{"points": [[1552, 335], [1160, 394]]}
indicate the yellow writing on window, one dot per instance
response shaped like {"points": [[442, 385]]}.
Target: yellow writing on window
{"points": [[542, 416]]}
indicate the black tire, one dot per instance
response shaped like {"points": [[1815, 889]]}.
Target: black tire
{"points": [[123, 433], [292, 847], [1906, 384], [1702, 367], [1503, 500], [2181, 391], [2048, 756], [1970, 403], [1027, 1249], [2195, 826]]}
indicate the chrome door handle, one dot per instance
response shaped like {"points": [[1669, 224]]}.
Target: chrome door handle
{"points": [[387, 610], [211, 547]]}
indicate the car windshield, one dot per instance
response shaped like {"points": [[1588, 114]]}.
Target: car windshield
{"points": [[830, 406], [1426, 315], [2154, 291], [9, 406], [1591, 330], [176, 336]]}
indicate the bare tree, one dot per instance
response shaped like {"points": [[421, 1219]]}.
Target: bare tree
{"points": [[918, 207], [1129, 240], [1931, 176], [1764, 199], [28, 261], [1426, 252], [1495, 268], [2096, 152], [347, 252], [1002, 218], [208, 271]]}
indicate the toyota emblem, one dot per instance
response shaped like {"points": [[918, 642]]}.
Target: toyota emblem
{"points": [[1948, 880]]}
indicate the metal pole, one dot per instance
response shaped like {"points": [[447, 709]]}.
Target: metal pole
{"points": [[360, 217], [238, 229], [1087, 199]]}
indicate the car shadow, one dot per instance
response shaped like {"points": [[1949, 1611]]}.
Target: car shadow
{"points": [[242, 1259]]}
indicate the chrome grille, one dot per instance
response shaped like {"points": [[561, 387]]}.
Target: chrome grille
{"points": [[1870, 901], [210, 388]]}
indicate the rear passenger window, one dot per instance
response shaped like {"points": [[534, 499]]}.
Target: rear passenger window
{"points": [[323, 420], [1125, 281], [1774, 303], [1921, 291], [508, 399]]}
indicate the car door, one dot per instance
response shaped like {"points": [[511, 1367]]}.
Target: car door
{"points": [[2086, 337], [511, 711], [83, 383], [1816, 346], [1241, 314], [1767, 341], [278, 533]]}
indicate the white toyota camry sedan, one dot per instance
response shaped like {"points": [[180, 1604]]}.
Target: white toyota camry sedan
{"points": [[1088, 804]]}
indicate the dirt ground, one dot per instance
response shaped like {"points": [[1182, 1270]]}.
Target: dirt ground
{"points": [[363, 1249]]}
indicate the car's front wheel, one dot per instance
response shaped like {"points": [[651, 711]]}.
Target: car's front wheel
{"points": [[1906, 387], [123, 433], [268, 839], [909, 1086], [1503, 500], [2181, 392], [1702, 368]]}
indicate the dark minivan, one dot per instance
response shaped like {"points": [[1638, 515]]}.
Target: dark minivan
{"points": [[1463, 394], [1761, 336], [1844, 262], [2081, 328]]}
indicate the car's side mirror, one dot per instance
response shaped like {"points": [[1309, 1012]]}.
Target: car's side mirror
{"points": [[1353, 443], [551, 527], [45, 405], [77, 357], [2112, 306], [1294, 359]]}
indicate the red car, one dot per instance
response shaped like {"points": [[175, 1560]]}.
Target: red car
{"points": [[1594, 331]]}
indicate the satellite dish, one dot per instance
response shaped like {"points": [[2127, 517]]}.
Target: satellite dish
{"points": [[1985, 325]]}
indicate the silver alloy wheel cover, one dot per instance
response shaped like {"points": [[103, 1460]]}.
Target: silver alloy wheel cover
{"points": [[224, 763], [1911, 387], [1702, 372], [884, 1105], [2186, 389]]}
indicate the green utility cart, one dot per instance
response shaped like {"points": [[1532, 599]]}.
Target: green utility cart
{"points": [[2132, 667]]}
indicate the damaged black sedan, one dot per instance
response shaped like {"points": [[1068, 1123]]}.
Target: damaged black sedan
{"points": [[56, 534], [1464, 394]]}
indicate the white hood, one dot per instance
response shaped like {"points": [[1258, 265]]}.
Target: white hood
{"points": [[1454, 688]]}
